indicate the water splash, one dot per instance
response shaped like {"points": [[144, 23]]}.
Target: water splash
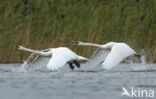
{"points": [[143, 59], [22, 67], [142, 66], [130, 61], [27, 67]]}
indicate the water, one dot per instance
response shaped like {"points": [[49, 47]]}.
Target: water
{"points": [[84, 83]]}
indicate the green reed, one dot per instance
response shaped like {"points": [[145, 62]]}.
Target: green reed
{"points": [[40, 24]]}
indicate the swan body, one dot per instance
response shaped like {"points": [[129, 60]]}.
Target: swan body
{"points": [[109, 54], [57, 57]]}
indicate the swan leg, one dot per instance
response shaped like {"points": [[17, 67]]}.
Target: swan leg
{"points": [[77, 64], [71, 66]]}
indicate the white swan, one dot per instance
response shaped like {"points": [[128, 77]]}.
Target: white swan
{"points": [[109, 54], [58, 57]]}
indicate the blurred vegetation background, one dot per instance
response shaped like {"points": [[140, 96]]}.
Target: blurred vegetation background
{"points": [[41, 24]]}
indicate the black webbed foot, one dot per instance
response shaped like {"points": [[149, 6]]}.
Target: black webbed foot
{"points": [[77, 64], [71, 66]]}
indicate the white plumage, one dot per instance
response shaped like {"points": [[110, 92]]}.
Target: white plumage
{"points": [[109, 54], [97, 57], [119, 52], [61, 56], [53, 58]]}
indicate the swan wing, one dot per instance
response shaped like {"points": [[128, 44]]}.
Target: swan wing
{"points": [[56, 62], [98, 57], [34, 57], [60, 57], [37, 61], [118, 52], [41, 61]]}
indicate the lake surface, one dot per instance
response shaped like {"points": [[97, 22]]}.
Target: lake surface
{"points": [[84, 83]]}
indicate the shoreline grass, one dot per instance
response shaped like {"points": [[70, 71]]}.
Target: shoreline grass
{"points": [[40, 24]]}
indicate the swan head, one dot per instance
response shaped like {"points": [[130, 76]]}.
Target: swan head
{"points": [[79, 43], [18, 48]]}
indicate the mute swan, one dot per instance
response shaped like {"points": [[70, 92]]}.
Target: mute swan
{"points": [[57, 57], [109, 54]]}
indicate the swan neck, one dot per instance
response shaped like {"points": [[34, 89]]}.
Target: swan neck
{"points": [[90, 44], [29, 50], [33, 51]]}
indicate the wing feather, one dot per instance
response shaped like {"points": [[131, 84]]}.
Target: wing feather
{"points": [[38, 64], [56, 62], [60, 57], [119, 52], [36, 61], [98, 57]]}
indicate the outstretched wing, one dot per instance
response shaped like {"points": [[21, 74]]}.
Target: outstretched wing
{"points": [[98, 57], [60, 57], [41, 61], [119, 52], [37, 61]]}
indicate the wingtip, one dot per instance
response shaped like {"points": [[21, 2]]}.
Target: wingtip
{"points": [[107, 67]]}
